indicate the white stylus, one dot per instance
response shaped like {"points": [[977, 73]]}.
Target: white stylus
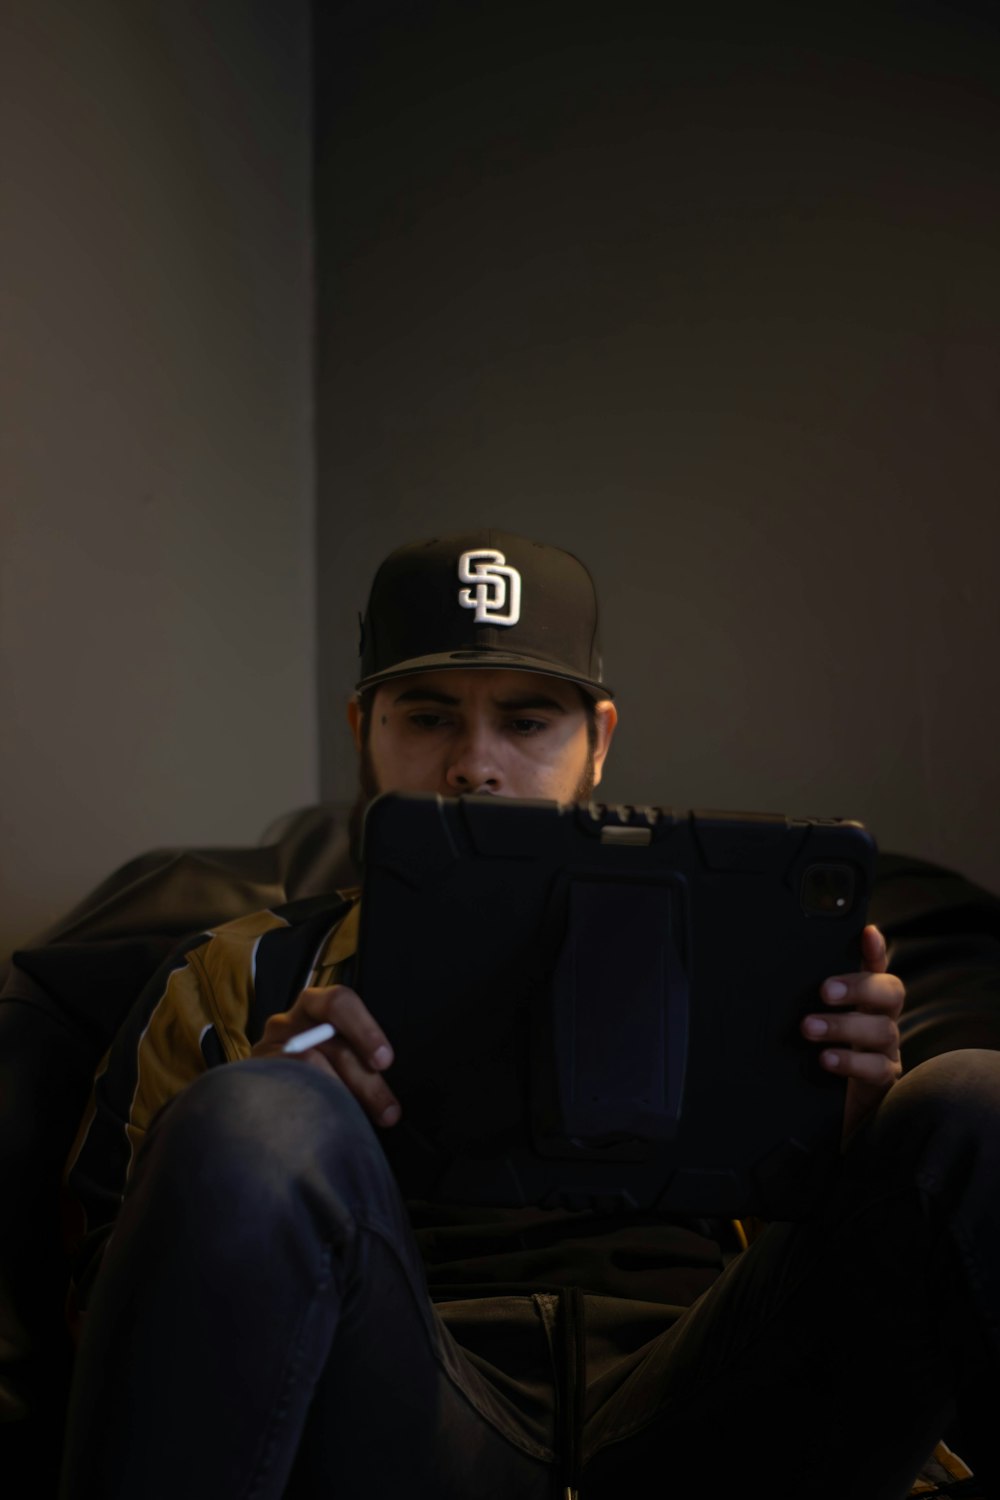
{"points": [[314, 1037]]}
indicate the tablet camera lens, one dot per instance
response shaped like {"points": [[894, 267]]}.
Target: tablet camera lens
{"points": [[828, 890]]}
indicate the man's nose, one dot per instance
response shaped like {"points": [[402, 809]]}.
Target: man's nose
{"points": [[474, 766]]}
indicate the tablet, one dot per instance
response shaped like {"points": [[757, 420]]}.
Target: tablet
{"points": [[597, 1007]]}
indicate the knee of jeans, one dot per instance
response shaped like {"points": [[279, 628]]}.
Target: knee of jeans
{"points": [[952, 1099], [262, 1125]]}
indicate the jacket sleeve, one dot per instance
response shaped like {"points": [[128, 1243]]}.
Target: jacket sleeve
{"points": [[196, 1012], [172, 1034]]}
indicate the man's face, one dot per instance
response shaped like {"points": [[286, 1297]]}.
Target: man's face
{"points": [[514, 734]]}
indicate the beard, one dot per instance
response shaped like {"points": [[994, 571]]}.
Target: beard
{"points": [[369, 788]]}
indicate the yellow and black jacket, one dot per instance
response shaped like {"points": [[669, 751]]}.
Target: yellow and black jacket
{"points": [[201, 1009]]}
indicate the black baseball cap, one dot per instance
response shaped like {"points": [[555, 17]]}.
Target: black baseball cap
{"points": [[482, 599]]}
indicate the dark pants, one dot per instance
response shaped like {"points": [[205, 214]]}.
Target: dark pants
{"points": [[261, 1324]]}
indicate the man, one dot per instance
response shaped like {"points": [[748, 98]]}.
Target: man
{"points": [[261, 1321]]}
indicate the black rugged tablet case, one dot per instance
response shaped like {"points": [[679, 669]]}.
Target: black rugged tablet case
{"points": [[596, 1007]]}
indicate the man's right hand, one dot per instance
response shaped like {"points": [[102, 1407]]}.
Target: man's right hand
{"points": [[358, 1054]]}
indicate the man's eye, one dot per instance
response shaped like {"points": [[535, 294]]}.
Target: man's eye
{"points": [[527, 727], [428, 721]]}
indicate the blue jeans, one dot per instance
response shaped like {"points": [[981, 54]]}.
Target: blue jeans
{"points": [[261, 1325]]}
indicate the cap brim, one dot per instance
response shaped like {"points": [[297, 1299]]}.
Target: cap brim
{"points": [[511, 660]]}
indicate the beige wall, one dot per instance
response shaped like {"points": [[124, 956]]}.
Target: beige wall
{"points": [[716, 306], [155, 408]]}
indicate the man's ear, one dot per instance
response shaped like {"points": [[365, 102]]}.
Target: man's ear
{"points": [[605, 719], [354, 719]]}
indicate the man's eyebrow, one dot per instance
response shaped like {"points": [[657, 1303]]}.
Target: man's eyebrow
{"points": [[426, 695], [535, 700]]}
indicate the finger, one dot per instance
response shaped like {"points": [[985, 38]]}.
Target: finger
{"points": [[278, 1029], [872, 1068], [305, 1015], [874, 992], [873, 951], [279, 1032], [865, 1033], [368, 1087], [350, 1018]]}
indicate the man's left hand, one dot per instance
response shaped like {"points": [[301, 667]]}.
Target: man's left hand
{"points": [[859, 1032]]}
